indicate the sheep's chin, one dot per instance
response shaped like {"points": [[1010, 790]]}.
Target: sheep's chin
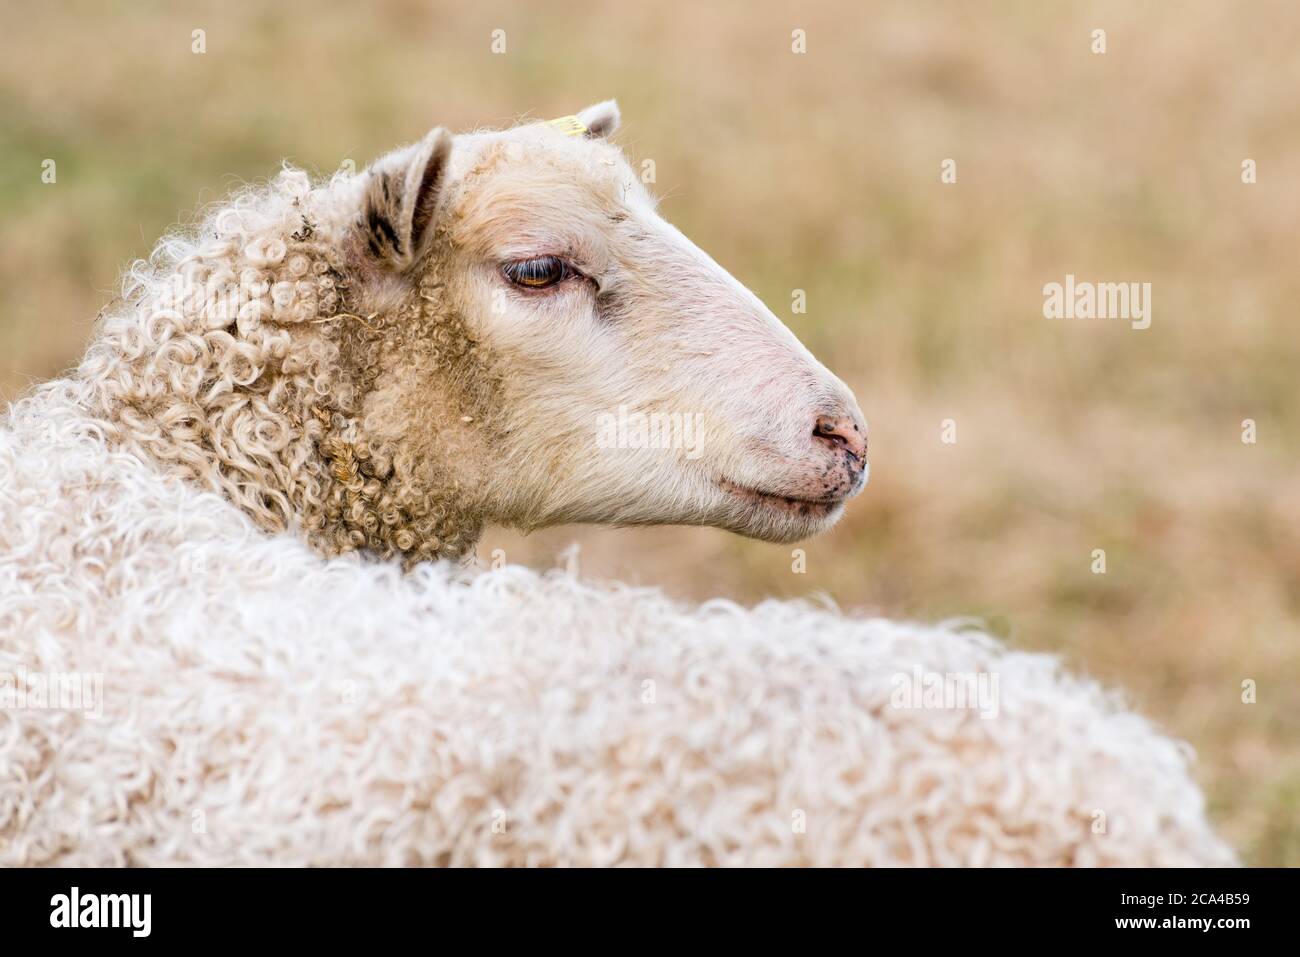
{"points": [[777, 518]]}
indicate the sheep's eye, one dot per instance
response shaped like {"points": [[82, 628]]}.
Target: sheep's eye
{"points": [[536, 273]]}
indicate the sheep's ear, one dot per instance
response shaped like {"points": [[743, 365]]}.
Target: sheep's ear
{"points": [[600, 119], [401, 200]]}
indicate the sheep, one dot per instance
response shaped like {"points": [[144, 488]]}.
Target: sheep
{"points": [[237, 538]]}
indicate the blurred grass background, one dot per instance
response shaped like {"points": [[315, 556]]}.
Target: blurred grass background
{"points": [[821, 172]]}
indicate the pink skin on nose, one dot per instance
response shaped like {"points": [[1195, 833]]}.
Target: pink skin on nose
{"points": [[838, 459], [830, 472], [843, 432]]}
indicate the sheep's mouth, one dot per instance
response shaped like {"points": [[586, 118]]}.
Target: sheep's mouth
{"points": [[793, 505]]}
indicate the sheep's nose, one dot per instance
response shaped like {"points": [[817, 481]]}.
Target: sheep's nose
{"points": [[842, 432]]}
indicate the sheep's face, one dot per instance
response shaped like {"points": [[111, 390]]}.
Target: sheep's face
{"points": [[621, 375]]}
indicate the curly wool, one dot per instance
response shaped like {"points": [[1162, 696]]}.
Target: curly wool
{"points": [[264, 705], [231, 360]]}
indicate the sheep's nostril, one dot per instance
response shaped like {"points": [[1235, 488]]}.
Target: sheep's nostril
{"points": [[841, 432]]}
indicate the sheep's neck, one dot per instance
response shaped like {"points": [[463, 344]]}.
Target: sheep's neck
{"points": [[358, 430], [404, 461]]}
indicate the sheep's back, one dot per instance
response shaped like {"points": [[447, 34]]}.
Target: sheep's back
{"points": [[263, 705]]}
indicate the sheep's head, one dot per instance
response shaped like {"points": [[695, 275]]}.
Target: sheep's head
{"points": [[594, 365]]}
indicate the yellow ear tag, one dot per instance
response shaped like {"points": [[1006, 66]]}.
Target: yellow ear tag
{"points": [[568, 125]]}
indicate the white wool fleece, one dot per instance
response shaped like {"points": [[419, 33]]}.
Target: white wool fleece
{"points": [[262, 705]]}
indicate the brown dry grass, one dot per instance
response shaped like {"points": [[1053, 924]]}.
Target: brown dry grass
{"points": [[820, 172]]}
